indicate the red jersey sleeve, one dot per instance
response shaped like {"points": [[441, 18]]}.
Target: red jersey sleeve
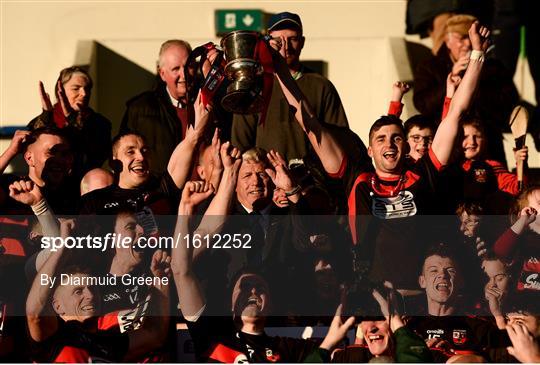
{"points": [[506, 181], [446, 107], [395, 108], [339, 174], [506, 244]]}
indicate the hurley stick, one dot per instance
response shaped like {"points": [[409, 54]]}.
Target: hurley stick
{"points": [[519, 119]]}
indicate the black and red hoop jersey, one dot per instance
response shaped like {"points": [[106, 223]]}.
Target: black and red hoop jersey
{"points": [[383, 216]]}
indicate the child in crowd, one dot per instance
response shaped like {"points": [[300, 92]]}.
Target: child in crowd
{"points": [[521, 242], [419, 129]]}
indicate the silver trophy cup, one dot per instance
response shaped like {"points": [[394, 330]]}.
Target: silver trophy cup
{"points": [[244, 93]]}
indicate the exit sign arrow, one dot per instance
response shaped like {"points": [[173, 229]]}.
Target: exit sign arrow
{"points": [[248, 20], [229, 20]]}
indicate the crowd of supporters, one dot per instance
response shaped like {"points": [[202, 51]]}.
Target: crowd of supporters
{"points": [[420, 238]]}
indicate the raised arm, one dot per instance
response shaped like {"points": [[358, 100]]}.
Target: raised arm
{"points": [[448, 129], [325, 145], [190, 294], [219, 208], [399, 89], [42, 321], [217, 164], [26, 192], [181, 160], [452, 82]]}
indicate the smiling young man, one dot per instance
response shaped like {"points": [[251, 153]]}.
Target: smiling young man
{"points": [[136, 186], [447, 326], [383, 204]]}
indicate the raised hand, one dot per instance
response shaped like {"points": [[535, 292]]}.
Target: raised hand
{"points": [[217, 164], [161, 264], [481, 248], [479, 37], [529, 215], [399, 88], [230, 156], [210, 58], [280, 45], [64, 102], [460, 65], [280, 175], [522, 154], [19, 138], [25, 192], [202, 114], [45, 98], [389, 306], [452, 82], [195, 192], [67, 225], [337, 330]]}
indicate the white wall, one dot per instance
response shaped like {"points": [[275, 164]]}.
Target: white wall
{"points": [[39, 38]]}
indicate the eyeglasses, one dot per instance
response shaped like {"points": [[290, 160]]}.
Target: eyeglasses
{"points": [[418, 138]]}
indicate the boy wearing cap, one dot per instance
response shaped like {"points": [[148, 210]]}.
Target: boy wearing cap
{"points": [[279, 131]]}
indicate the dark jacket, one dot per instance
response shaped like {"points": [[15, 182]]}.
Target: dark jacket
{"points": [[495, 97], [152, 115]]}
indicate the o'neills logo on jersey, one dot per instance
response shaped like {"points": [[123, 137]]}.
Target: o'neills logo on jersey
{"points": [[459, 337], [399, 206], [436, 333]]}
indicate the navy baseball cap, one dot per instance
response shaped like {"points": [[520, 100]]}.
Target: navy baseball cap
{"points": [[284, 20]]}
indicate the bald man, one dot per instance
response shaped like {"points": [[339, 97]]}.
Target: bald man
{"points": [[96, 179]]}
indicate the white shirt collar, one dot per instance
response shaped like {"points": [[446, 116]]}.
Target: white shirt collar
{"points": [[175, 103]]}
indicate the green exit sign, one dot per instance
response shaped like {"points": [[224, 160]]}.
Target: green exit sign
{"points": [[239, 19]]}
